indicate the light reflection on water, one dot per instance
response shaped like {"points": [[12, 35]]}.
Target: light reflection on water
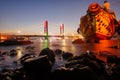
{"points": [[19, 53], [65, 45]]}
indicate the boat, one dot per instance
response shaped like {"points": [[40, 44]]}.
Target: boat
{"points": [[98, 23]]}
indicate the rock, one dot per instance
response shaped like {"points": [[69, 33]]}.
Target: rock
{"points": [[111, 59], [13, 53], [25, 57], [49, 53], [38, 68], [82, 73], [4, 53], [77, 41], [88, 59], [67, 55], [115, 47], [12, 74], [92, 40], [58, 52], [113, 67]]}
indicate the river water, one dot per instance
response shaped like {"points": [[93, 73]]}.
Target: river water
{"points": [[65, 45]]}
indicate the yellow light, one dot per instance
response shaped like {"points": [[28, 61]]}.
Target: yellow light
{"points": [[19, 51], [63, 42]]}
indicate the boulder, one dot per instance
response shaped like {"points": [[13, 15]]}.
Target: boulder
{"points": [[38, 68], [49, 53]]}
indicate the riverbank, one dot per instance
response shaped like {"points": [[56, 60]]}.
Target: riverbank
{"points": [[15, 42]]}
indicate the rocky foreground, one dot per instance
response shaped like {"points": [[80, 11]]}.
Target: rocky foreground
{"points": [[60, 65]]}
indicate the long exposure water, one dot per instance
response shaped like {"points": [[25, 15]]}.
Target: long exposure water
{"points": [[65, 45]]}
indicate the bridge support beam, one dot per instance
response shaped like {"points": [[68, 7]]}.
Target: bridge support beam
{"points": [[62, 30], [46, 33], [46, 29]]}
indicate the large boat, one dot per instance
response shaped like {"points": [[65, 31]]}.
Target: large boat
{"points": [[98, 23]]}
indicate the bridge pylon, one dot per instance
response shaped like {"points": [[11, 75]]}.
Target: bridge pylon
{"points": [[46, 29], [62, 30]]}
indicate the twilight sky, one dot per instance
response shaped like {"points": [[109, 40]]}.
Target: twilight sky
{"points": [[27, 16]]}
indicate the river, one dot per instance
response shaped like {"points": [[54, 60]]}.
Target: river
{"points": [[65, 45]]}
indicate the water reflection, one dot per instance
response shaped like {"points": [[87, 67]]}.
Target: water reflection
{"points": [[19, 53], [46, 42], [65, 45]]}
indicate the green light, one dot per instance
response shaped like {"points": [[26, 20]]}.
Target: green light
{"points": [[46, 43]]}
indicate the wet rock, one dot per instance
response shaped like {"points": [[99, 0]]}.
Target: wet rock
{"points": [[67, 55], [83, 67], [25, 57], [13, 53], [6, 74], [78, 41], [58, 52], [12, 74], [13, 50], [58, 55], [88, 59], [81, 73], [61, 74], [72, 63], [2, 58], [113, 63], [118, 29], [86, 55], [4, 53], [92, 40], [38, 68], [105, 54], [49, 53], [115, 72], [115, 47], [31, 49], [111, 59]]}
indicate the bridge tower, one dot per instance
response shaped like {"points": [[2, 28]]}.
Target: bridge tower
{"points": [[46, 33], [62, 29], [46, 29]]}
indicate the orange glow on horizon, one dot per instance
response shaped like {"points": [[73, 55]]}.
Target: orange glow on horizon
{"points": [[3, 37]]}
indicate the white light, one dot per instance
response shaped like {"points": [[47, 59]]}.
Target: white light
{"points": [[18, 31]]}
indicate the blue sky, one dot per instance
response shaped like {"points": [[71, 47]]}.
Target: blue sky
{"points": [[27, 16]]}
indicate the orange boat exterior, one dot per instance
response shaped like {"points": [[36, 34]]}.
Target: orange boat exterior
{"points": [[97, 23], [105, 27]]}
